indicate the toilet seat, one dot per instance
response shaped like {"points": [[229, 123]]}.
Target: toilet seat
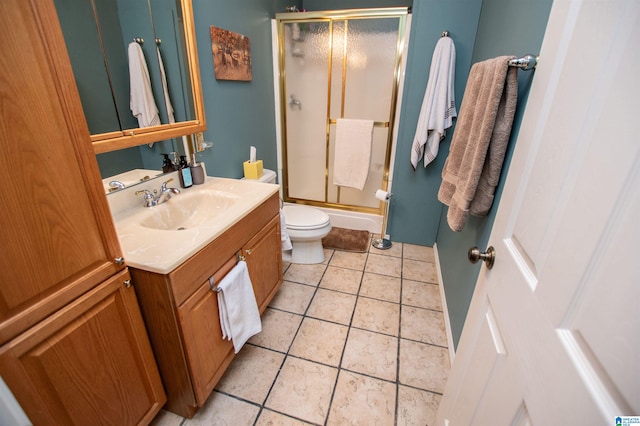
{"points": [[303, 217]]}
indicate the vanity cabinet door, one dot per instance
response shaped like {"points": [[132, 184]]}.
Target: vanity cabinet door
{"points": [[208, 354], [89, 363], [264, 260]]}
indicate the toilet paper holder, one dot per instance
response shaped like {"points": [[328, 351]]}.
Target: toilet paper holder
{"points": [[382, 243]]}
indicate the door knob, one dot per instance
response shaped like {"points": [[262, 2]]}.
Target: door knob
{"points": [[488, 257]]}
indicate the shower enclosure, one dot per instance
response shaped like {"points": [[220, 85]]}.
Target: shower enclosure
{"points": [[333, 65]]}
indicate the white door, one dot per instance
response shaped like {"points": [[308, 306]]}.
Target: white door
{"points": [[553, 333]]}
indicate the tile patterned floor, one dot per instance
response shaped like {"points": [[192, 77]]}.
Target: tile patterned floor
{"points": [[357, 340]]}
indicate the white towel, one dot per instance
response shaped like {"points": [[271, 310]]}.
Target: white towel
{"points": [[438, 106], [165, 89], [284, 235], [352, 153], [142, 104], [239, 315]]}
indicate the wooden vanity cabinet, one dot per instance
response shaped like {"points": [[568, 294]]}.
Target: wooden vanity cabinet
{"points": [[73, 347], [181, 310]]}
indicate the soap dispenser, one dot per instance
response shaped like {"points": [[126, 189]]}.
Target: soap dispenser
{"points": [[167, 165], [184, 172], [197, 171]]}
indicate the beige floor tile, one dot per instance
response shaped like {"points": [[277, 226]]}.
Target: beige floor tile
{"points": [[166, 418], [278, 330], [377, 315], [423, 366], [320, 341], [345, 259], [332, 306], [251, 374], [371, 353], [384, 265], [419, 271], [303, 390], [381, 287], [341, 279], [361, 400], [421, 295], [271, 418], [305, 274], [394, 251], [417, 407], [223, 410], [293, 297], [328, 254], [423, 325], [421, 253]]}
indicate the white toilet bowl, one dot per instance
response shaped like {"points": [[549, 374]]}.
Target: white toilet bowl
{"points": [[306, 227]]}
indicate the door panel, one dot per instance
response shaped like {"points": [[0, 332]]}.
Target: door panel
{"points": [[564, 287]]}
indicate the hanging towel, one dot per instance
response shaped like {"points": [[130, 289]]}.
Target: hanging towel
{"points": [[284, 235], [239, 315], [165, 89], [438, 106], [142, 104], [472, 169], [352, 152]]}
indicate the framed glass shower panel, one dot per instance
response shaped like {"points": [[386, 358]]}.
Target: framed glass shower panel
{"points": [[306, 61]]}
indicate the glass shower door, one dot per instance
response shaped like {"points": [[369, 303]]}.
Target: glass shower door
{"points": [[337, 68]]}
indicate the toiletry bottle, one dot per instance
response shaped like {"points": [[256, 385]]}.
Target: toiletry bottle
{"points": [[197, 171], [167, 165], [185, 173]]}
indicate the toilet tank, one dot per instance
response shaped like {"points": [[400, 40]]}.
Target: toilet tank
{"points": [[268, 176]]}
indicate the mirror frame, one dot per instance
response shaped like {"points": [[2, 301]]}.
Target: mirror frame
{"points": [[113, 141]]}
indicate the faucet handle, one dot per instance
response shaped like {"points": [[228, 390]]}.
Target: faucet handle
{"points": [[146, 193], [164, 184]]}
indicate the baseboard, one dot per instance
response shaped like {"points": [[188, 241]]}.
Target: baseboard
{"points": [[445, 310]]}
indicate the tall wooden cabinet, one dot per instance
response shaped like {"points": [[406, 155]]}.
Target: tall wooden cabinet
{"points": [[73, 347]]}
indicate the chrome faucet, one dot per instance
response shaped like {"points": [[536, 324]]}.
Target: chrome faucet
{"points": [[151, 200]]}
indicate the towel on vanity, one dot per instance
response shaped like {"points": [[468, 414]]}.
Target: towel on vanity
{"points": [[352, 152], [438, 106], [239, 315], [472, 169], [142, 104]]}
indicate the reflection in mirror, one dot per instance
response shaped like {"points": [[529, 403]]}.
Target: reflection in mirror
{"points": [[113, 165], [98, 34]]}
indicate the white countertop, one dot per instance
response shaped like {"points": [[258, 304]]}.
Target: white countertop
{"points": [[162, 250]]}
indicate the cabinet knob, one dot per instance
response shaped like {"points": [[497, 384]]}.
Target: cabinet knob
{"points": [[248, 251], [119, 261], [127, 283]]}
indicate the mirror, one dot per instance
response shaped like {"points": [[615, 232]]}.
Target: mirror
{"points": [[101, 35]]}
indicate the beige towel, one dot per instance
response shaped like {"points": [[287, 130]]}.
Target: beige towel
{"points": [[352, 153], [472, 170]]}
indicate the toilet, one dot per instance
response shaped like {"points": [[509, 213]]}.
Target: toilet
{"points": [[306, 227]]}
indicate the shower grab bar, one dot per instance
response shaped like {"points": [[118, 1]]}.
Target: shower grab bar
{"points": [[375, 123]]}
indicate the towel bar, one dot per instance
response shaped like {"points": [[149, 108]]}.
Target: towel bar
{"points": [[526, 63]]}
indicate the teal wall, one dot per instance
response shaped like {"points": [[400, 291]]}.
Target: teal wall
{"points": [[239, 114], [506, 27], [414, 210]]}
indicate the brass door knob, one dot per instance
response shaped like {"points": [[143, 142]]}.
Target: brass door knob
{"points": [[488, 257]]}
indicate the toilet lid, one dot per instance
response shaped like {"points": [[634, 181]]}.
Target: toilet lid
{"points": [[301, 217]]}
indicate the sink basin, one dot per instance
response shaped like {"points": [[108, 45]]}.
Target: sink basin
{"points": [[189, 210], [160, 238]]}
